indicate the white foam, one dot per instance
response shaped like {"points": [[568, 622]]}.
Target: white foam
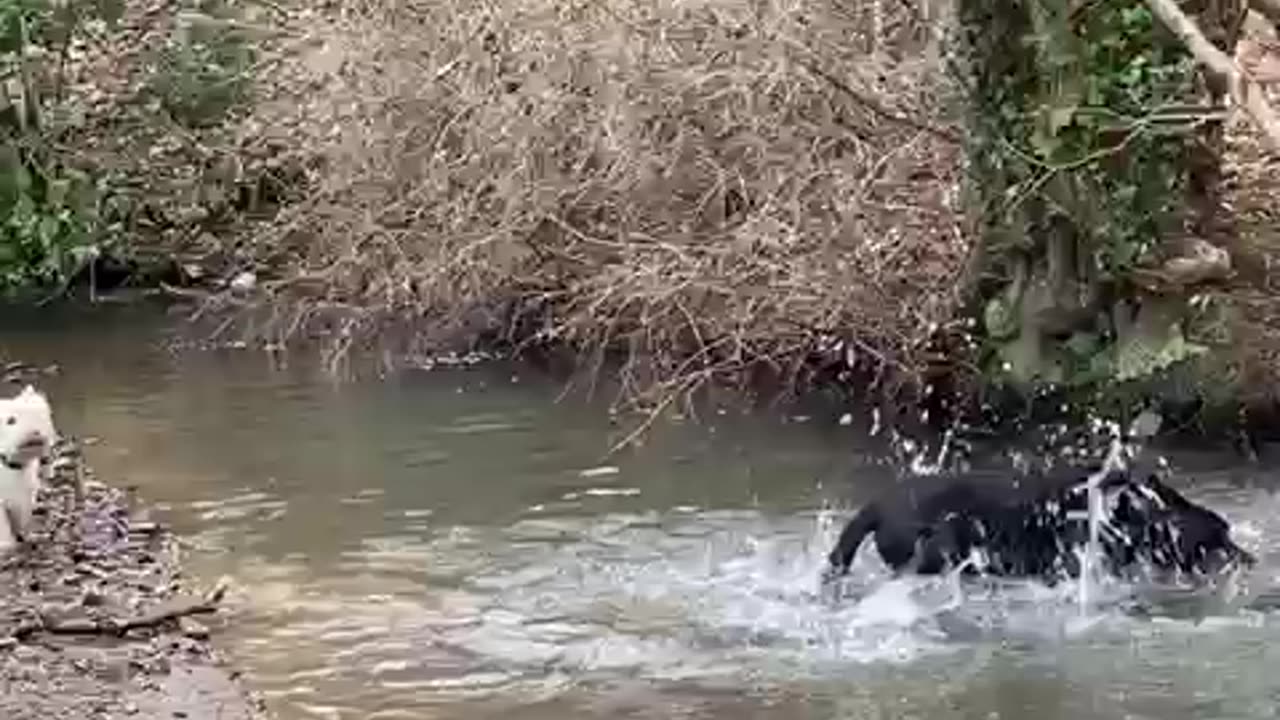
{"points": [[626, 594]]}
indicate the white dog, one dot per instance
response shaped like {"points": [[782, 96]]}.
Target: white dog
{"points": [[26, 436]]}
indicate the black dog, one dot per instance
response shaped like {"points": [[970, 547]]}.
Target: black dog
{"points": [[1033, 527]]}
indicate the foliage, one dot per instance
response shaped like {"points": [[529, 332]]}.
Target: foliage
{"points": [[46, 206], [705, 191], [60, 206], [1136, 79], [1080, 138], [46, 226]]}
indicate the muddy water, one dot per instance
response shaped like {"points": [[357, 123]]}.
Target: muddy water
{"points": [[452, 545]]}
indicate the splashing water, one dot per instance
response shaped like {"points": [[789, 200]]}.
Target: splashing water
{"points": [[1119, 453], [1120, 450], [691, 596], [706, 595], [921, 464], [1097, 515]]}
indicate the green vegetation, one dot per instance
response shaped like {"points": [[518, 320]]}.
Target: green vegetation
{"points": [[48, 207], [781, 195], [1093, 146], [62, 206]]}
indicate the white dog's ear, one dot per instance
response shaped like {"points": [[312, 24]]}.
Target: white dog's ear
{"points": [[29, 389]]}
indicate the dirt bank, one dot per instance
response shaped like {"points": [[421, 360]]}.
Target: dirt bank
{"points": [[97, 620]]}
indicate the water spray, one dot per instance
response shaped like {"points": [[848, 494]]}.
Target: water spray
{"points": [[1113, 461], [1118, 454]]}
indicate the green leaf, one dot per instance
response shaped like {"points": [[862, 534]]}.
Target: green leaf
{"points": [[56, 193], [22, 179], [48, 232], [998, 318], [1083, 344], [1061, 117]]}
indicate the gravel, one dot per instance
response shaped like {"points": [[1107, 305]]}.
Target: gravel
{"points": [[97, 621]]}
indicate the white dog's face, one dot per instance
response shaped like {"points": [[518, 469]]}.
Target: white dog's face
{"points": [[26, 427]]}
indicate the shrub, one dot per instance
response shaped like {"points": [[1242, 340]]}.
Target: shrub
{"points": [[705, 188]]}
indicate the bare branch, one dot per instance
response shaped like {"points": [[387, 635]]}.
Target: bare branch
{"points": [[768, 184], [1244, 89]]}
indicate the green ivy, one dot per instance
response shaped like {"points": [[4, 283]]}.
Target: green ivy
{"points": [[1132, 76], [47, 209], [45, 230], [1079, 111]]}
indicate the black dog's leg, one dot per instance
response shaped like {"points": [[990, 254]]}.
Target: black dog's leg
{"points": [[862, 524], [947, 546]]}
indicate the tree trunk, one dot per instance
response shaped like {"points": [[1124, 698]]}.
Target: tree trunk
{"points": [[1094, 161]]}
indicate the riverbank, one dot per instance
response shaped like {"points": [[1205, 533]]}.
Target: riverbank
{"points": [[97, 619], [678, 196]]}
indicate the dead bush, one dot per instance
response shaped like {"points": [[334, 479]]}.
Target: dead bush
{"points": [[703, 187]]}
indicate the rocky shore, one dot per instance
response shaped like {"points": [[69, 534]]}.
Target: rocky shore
{"points": [[97, 619]]}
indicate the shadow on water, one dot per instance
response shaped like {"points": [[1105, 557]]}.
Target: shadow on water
{"points": [[451, 544]]}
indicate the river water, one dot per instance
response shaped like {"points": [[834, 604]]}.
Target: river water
{"points": [[453, 544]]}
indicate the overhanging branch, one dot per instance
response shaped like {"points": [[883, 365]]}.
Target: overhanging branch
{"points": [[1244, 90]]}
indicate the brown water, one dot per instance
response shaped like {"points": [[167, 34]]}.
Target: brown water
{"points": [[451, 545]]}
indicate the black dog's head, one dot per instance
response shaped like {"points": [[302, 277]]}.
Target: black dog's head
{"points": [[1202, 536], [1169, 532]]}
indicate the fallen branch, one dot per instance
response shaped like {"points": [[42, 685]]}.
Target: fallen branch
{"points": [[172, 609], [1244, 90]]}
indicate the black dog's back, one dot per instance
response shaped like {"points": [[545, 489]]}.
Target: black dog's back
{"points": [[905, 515], [1027, 523]]}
